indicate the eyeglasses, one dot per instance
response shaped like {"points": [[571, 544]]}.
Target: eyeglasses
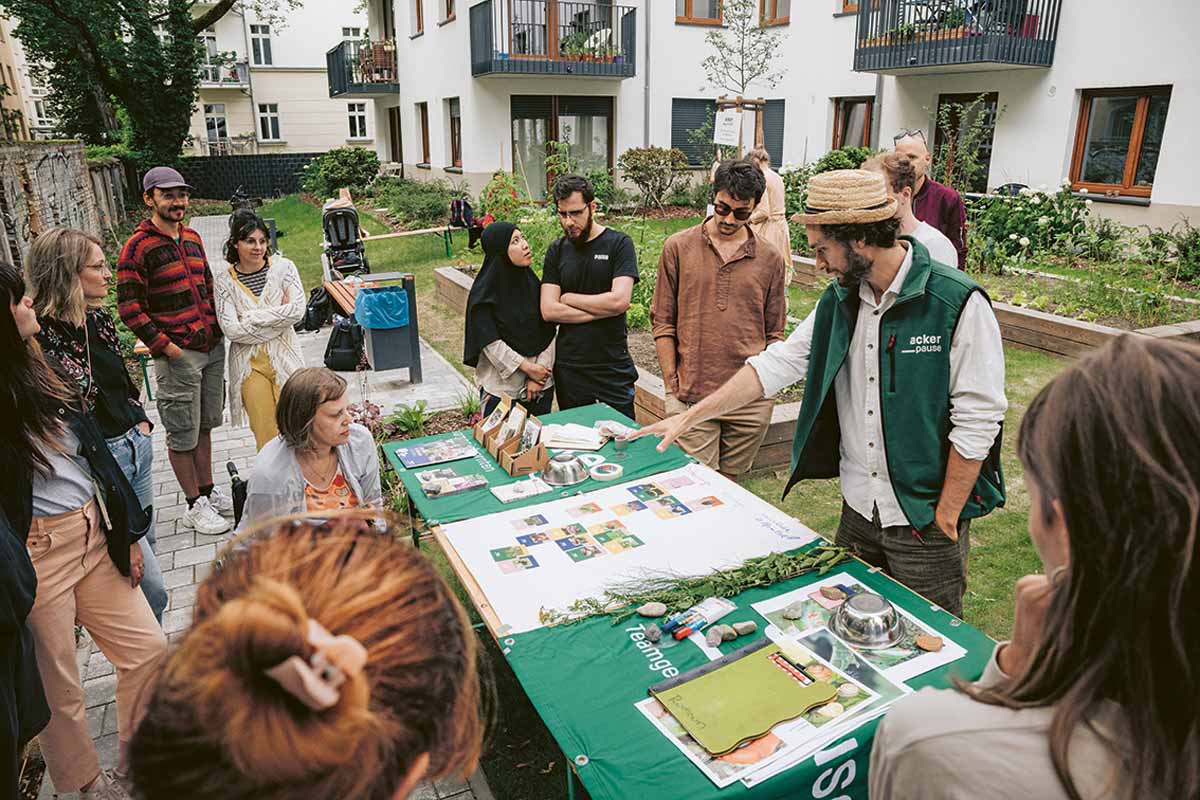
{"points": [[918, 133], [724, 210]]}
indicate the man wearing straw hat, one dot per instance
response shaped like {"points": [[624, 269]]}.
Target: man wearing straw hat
{"points": [[904, 390]]}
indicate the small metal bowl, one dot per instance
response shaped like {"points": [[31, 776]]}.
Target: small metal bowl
{"points": [[868, 621], [565, 469]]}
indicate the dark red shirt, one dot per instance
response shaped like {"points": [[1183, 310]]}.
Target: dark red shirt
{"points": [[165, 290], [942, 207]]}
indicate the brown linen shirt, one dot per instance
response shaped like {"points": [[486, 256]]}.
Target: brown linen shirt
{"points": [[718, 312]]}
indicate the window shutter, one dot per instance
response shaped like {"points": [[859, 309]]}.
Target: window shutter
{"points": [[530, 106], [686, 116], [773, 132]]}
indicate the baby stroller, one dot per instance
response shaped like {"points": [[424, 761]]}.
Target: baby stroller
{"points": [[345, 254]]}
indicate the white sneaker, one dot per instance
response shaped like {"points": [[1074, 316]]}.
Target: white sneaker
{"points": [[203, 518], [104, 788], [221, 502]]}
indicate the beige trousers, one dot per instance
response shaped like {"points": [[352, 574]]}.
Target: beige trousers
{"points": [[730, 443], [77, 581]]}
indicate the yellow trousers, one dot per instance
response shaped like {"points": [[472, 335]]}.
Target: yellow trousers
{"points": [[260, 394]]}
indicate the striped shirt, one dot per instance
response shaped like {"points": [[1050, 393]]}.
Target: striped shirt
{"points": [[165, 290], [254, 281]]}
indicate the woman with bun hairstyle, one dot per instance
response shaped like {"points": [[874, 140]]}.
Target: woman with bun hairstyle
{"points": [[325, 661]]}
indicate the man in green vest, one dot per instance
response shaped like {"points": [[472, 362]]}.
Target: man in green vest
{"points": [[904, 390]]}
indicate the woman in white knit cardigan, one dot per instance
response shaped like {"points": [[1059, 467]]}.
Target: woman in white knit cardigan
{"points": [[259, 299]]}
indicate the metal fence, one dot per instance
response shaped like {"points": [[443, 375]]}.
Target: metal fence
{"points": [[553, 37]]}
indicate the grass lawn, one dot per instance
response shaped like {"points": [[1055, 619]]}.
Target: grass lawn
{"points": [[520, 751]]}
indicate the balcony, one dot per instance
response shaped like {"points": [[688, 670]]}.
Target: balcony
{"points": [[235, 75], [363, 69], [553, 37], [914, 37]]}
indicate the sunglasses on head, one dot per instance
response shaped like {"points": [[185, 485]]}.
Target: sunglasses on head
{"points": [[918, 133], [724, 210]]}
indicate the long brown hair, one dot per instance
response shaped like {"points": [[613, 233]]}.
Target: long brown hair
{"points": [[217, 726], [55, 260], [1115, 440], [30, 391]]}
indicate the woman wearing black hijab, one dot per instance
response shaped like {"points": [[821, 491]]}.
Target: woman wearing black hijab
{"points": [[508, 342]]}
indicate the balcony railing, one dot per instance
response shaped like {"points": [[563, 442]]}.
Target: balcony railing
{"points": [[924, 36], [233, 75], [363, 69], [553, 37]]}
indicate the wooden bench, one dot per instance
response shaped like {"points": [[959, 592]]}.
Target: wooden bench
{"points": [[445, 232], [343, 294], [143, 356]]}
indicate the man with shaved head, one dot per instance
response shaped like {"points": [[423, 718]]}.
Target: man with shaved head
{"points": [[935, 203]]}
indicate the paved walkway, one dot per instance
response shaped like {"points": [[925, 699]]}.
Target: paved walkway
{"points": [[185, 556]]}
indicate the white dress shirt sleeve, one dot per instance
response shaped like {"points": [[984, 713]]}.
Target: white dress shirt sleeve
{"points": [[977, 401], [786, 362]]}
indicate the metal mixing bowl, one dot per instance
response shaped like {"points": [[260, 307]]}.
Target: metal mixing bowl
{"points": [[868, 621], [565, 469]]}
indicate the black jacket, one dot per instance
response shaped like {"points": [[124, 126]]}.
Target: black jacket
{"points": [[127, 521]]}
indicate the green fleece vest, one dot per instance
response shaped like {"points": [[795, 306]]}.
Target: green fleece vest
{"points": [[914, 390]]}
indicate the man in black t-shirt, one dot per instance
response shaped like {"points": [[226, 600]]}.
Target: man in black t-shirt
{"points": [[587, 282]]}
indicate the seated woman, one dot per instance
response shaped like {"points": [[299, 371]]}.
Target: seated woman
{"points": [[900, 174], [324, 662], [68, 279], [1096, 694], [321, 461], [507, 341], [258, 299], [76, 514]]}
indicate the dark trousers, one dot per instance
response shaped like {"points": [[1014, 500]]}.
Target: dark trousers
{"points": [[581, 386], [928, 563], [538, 406]]}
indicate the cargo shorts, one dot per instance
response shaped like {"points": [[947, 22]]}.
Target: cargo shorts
{"points": [[191, 395]]}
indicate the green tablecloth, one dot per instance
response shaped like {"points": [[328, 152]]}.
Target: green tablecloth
{"points": [[641, 459], [584, 679]]}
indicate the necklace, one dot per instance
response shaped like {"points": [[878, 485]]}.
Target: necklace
{"points": [[322, 473]]}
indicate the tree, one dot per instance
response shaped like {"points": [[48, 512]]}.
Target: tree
{"points": [[109, 56], [654, 170], [743, 51]]}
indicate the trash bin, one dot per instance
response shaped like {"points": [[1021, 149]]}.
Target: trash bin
{"points": [[383, 313]]}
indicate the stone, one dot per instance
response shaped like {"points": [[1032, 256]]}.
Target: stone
{"points": [[832, 593], [653, 610], [728, 634], [928, 643], [714, 637], [653, 633], [745, 628], [794, 611]]}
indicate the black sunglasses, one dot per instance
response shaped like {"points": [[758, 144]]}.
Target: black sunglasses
{"points": [[740, 214], [903, 134]]}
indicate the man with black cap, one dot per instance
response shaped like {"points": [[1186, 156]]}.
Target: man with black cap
{"points": [[903, 367], [165, 296]]}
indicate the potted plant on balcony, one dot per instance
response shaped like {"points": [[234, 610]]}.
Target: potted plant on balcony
{"points": [[574, 47]]}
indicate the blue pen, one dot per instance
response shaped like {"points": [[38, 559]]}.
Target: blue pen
{"points": [[675, 618], [683, 621]]}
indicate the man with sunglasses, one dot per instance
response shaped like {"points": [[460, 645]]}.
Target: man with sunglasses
{"points": [[587, 284], [934, 203], [720, 299]]}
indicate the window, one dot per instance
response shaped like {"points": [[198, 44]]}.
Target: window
{"points": [[351, 34], [455, 112], [40, 117], [852, 121], [358, 120], [687, 116], [215, 128], [260, 45], [210, 67], [849, 6], [698, 12], [584, 123], [418, 18], [447, 7], [957, 120], [1118, 139], [423, 123], [268, 122], [774, 12]]}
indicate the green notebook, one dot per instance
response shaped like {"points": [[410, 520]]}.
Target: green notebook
{"points": [[740, 696]]}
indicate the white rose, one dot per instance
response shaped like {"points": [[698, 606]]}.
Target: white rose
{"points": [[1024, 241], [1037, 201], [1083, 190], [1043, 220], [1012, 236]]}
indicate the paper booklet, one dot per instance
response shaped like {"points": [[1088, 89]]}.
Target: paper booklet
{"points": [[439, 451], [443, 482]]}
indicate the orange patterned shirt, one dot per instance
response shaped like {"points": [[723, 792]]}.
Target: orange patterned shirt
{"points": [[338, 496]]}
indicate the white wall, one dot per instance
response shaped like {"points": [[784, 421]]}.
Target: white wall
{"points": [[1102, 44]]}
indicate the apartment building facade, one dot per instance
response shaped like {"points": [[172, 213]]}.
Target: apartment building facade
{"points": [[264, 87], [14, 123], [1100, 93]]}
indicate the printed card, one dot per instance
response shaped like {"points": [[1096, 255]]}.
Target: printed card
{"points": [[647, 491], [588, 551], [584, 510], [677, 482], [707, 502], [530, 539], [612, 526], [525, 523], [519, 564], [572, 542], [625, 509], [668, 508]]}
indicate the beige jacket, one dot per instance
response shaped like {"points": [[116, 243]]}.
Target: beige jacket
{"points": [[769, 219]]}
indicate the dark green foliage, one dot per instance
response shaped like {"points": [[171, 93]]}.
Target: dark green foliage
{"points": [[654, 170], [353, 168], [416, 204]]}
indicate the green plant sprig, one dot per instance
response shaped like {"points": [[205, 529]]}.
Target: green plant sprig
{"points": [[678, 592]]}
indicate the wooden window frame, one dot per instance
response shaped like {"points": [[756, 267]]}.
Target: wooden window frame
{"points": [[1126, 188], [770, 20], [418, 5], [455, 127], [688, 19], [423, 122], [849, 6], [837, 121], [553, 132]]}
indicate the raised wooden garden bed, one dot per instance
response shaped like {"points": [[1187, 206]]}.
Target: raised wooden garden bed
{"points": [[1063, 336], [451, 287]]}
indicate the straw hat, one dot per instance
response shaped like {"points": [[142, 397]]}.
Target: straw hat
{"points": [[846, 197]]}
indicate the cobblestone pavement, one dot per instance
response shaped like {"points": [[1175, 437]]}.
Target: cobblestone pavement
{"points": [[185, 556]]}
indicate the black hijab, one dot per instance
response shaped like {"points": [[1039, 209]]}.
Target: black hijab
{"points": [[505, 302]]}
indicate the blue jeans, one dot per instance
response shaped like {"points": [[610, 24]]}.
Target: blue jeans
{"points": [[135, 456]]}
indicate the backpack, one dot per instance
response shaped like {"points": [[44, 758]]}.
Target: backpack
{"points": [[344, 351], [317, 312], [461, 215]]}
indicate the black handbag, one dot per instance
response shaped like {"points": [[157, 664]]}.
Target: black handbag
{"points": [[344, 352]]}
